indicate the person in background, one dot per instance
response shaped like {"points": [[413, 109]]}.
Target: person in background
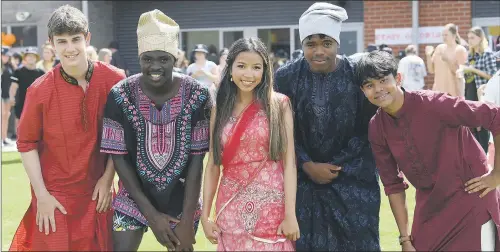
{"points": [[48, 58], [117, 59], [338, 192], [444, 61], [412, 70], [482, 61], [280, 59], [222, 64], [71, 182], [370, 48], [297, 54], [16, 60], [203, 70], [464, 43], [477, 71], [222, 60], [22, 80], [182, 63], [457, 197], [212, 54], [386, 48], [491, 93], [92, 53], [497, 56], [401, 55], [252, 138], [156, 128], [105, 55], [7, 72]]}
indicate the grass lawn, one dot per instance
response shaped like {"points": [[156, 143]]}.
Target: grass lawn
{"points": [[16, 198]]}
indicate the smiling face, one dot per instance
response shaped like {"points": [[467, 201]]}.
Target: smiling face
{"points": [[71, 49], [320, 51], [156, 67], [247, 71], [384, 91]]}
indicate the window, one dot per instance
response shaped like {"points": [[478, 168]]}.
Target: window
{"points": [[4, 29], [348, 43], [191, 38], [298, 44], [229, 37], [276, 40], [25, 35]]}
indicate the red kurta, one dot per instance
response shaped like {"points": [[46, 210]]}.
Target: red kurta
{"points": [[64, 124], [430, 142]]}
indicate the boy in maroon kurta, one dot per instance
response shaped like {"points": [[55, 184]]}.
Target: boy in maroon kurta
{"points": [[426, 136]]}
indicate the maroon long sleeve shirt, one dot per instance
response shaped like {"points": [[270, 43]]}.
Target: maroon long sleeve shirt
{"points": [[429, 141]]}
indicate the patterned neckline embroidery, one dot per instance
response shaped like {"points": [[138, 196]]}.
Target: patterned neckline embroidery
{"points": [[71, 80], [170, 109]]}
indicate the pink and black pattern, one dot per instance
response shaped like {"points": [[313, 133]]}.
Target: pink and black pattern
{"points": [[161, 141], [113, 140]]}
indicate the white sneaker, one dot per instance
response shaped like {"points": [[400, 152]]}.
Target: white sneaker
{"points": [[10, 141]]}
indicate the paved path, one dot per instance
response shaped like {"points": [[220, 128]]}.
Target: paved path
{"points": [[10, 148]]}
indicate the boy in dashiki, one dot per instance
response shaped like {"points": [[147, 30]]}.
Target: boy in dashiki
{"points": [[156, 126]]}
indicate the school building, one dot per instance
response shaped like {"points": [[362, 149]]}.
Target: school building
{"points": [[220, 23]]}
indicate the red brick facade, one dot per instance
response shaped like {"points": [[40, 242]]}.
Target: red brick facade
{"points": [[398, 14]]}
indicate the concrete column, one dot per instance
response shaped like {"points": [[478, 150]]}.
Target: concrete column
{"points": [[85, 8], [414, 23]]}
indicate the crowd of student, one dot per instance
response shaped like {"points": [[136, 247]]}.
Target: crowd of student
{"points": [[294, 154]]}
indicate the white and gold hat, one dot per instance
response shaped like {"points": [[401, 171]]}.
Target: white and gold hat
{"points": [[157, 32]]}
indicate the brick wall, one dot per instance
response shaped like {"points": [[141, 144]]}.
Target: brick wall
{"points": [[385, 14], [398, 14]]}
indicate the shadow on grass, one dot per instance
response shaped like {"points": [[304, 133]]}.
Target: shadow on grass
{"points": [[13, 161]]}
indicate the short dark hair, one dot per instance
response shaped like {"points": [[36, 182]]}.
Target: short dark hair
{"points": [[114, 45], [67, 19], [18, 56], [375, 65]]}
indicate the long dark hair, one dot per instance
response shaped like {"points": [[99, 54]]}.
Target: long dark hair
{"points": [[264, 93]]}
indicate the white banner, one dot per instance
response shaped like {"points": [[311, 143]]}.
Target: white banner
{"points": [[402, 36]]}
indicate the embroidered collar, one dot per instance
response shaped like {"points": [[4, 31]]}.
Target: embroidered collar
{"points": [[69, 79]]}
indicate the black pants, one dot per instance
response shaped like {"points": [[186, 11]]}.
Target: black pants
{"points": [[482, 136]]}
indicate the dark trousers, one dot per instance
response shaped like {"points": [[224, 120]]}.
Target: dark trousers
{"points": [[483, 137]]}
